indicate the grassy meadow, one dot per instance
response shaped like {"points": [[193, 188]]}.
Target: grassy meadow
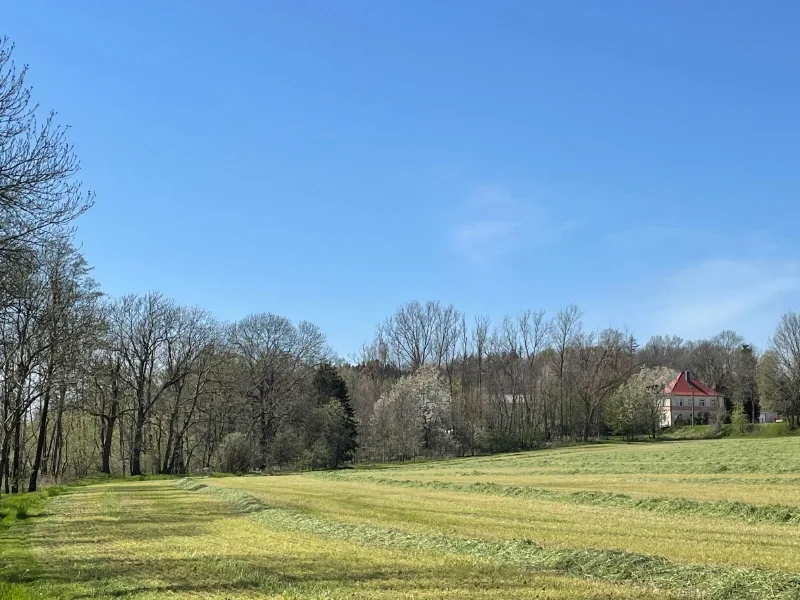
{"points": [[685, 519]]}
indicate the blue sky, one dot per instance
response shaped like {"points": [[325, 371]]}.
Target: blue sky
{"points": [[331, 161]]}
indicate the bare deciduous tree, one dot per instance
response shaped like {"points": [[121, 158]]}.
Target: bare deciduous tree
{"points": [[275, 358], [38, 192], [601, 363], [783, 371], [565, 329], [418, 334]]}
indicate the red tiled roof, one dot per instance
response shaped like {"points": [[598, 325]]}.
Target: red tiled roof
{"points": [[686, 385]]}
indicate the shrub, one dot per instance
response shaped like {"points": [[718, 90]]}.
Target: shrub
{"points": [[319, 456], [235, 454], [738, 419], [286, 449], [494, 440], [773, 429]]}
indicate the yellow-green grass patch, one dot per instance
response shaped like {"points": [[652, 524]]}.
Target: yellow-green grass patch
{"points": [[153, 540], [565, 525], [707, 581]]}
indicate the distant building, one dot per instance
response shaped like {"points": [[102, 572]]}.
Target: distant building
{"points": [[768, 417], [688, 401]]}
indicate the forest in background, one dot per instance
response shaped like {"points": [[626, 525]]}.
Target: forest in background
{"points": [[140, 384]]}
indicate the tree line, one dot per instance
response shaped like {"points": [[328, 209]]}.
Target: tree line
{"points": [[141, 384], [465, 386]]}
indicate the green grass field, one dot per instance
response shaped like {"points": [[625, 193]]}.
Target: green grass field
{"points": [[686, 519]]}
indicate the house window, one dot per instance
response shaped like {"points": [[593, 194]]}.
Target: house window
{"points": [[713, 403], [702, 402], [680, 402]]}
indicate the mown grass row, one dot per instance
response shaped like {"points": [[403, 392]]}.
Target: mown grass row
{"points": [[17, 507], [150, 541], [240, 502], [706, 581], [750, 513], [734, 455], [13, 509], [707, 432]]}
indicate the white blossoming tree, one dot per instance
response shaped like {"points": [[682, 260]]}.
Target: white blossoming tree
{"points": [[413, 417], [635, 407]]}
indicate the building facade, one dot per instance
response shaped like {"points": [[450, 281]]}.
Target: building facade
{"points": [[688, 401], [768, 417]]}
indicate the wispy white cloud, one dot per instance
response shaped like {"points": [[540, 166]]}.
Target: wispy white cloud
{"points": [[715, 294], [662, 234], [495, 224], [695, 238]]}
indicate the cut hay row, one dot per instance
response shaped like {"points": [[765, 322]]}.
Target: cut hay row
{"points": [[770, 456], [649, 572], [749, 513]]}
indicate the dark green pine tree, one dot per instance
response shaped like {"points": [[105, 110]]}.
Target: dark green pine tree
{"points": [[329, 386]]}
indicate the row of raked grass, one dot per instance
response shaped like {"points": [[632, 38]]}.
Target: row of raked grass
{"points": [[150, 540], [749, 513], [694, 580]]}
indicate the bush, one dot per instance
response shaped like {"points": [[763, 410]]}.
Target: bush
{"points": [[286, 449], [773, 429], [738, 419], [234, 454], [494, 440], [319, 456]]}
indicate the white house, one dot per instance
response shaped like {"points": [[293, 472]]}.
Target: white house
{"points": [[688, 401]]}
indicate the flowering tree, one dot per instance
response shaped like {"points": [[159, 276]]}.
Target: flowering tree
{"points": [[636, 405], [413, 417]]}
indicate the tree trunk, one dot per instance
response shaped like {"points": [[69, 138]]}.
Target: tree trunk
{"points": [[108, 438], [109, 421], [15, 468], [122, 443], [166, 466], [263, 439], [138, 441], [4, 461], [22, 374], [58, 437], [6, 434], [41, 443], [179, 459], [588, 423]]}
